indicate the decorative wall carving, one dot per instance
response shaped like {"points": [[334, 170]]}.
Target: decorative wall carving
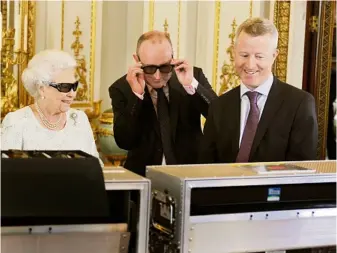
{"points": [[9, 84], [324, 60], [229, 78], [151, 15], [62, 25], [81, 69], [85, 69], [282, 21], [166, 25], [17, 40], [31, 29]]}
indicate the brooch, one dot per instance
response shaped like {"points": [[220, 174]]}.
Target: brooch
{"points": [[74, 117]]}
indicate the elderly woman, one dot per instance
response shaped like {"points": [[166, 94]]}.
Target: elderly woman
{"points": [[49, 123]]}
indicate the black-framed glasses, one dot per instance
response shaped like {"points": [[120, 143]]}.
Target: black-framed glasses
{"points": [[164, 68], [65, 87], [151, 69]]}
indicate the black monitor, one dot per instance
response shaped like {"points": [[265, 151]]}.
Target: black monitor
{"points": [[51, 187]]}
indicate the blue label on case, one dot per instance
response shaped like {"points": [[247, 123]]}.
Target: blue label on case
{"points": [[274, 194]]}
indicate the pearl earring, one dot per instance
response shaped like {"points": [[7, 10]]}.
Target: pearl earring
{"points": [[42, 97]]}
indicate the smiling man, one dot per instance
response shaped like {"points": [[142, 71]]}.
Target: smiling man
{"points": [[264, 119], [157, 106]]}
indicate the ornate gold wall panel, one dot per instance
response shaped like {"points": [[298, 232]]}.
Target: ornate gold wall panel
{"points": [[92, 49], [229, 78], [31, 28], [81, 69], [151, 15], [73, 42], [282, 21], [324, 60], [18, 47], [62, 25]]}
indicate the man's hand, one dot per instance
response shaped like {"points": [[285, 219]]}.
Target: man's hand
{"points": [[135, 78], [184, 71]]}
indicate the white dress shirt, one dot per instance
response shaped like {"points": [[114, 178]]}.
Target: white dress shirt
{"points": [[263, 91]]}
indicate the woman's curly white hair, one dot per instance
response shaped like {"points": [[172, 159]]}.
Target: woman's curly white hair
{"points": [[43, 67]]}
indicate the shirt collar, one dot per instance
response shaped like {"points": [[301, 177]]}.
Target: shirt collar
{"points": [[152, 90], [263, 89]]}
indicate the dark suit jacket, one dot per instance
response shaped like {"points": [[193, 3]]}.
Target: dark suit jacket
{"points": [[287, 130], [136, 127]]}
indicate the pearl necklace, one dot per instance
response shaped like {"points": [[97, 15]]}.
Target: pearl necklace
{"points": [[45, 121]]}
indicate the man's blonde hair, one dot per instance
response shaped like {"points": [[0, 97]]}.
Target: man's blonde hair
{"points": [[154, 37], [258, 27]]}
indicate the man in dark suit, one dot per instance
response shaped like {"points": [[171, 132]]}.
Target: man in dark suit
{"points": [[263, 119], [157, 106]]}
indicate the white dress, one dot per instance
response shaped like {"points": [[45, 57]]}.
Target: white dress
{"points": [[22, 131]]}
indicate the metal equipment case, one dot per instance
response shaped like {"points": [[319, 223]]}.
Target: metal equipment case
{"points": [[66, 203], [233, 208], [117, 179]]}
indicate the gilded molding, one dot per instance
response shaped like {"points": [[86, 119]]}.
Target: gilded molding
{"points": [[179, 23], [251, 8], [14, 60], [104, 132], [166, 26], [95, 110], [9, 86], [23, 6], [31, 29], [23, 13], [282, 22], [216, 43], [87, 100], [116, 160], [84, 97], [324, 60], [4, 13], [92, 49], [81, 69], [62, 24], [3, 5], [29, 10], [151, 15], [229, 78]]}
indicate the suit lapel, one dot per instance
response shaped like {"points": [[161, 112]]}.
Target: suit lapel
{"points": [[273, 103], [152, 113], [175, 92], [234, 131]]}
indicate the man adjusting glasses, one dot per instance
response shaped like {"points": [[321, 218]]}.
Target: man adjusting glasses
{"points": [[157, 106]]}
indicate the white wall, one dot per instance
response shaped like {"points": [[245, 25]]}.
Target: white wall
{"points": [[113, 59]]}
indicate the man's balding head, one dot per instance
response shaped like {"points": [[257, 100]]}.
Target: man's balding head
{"points": [[154, 37]]}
